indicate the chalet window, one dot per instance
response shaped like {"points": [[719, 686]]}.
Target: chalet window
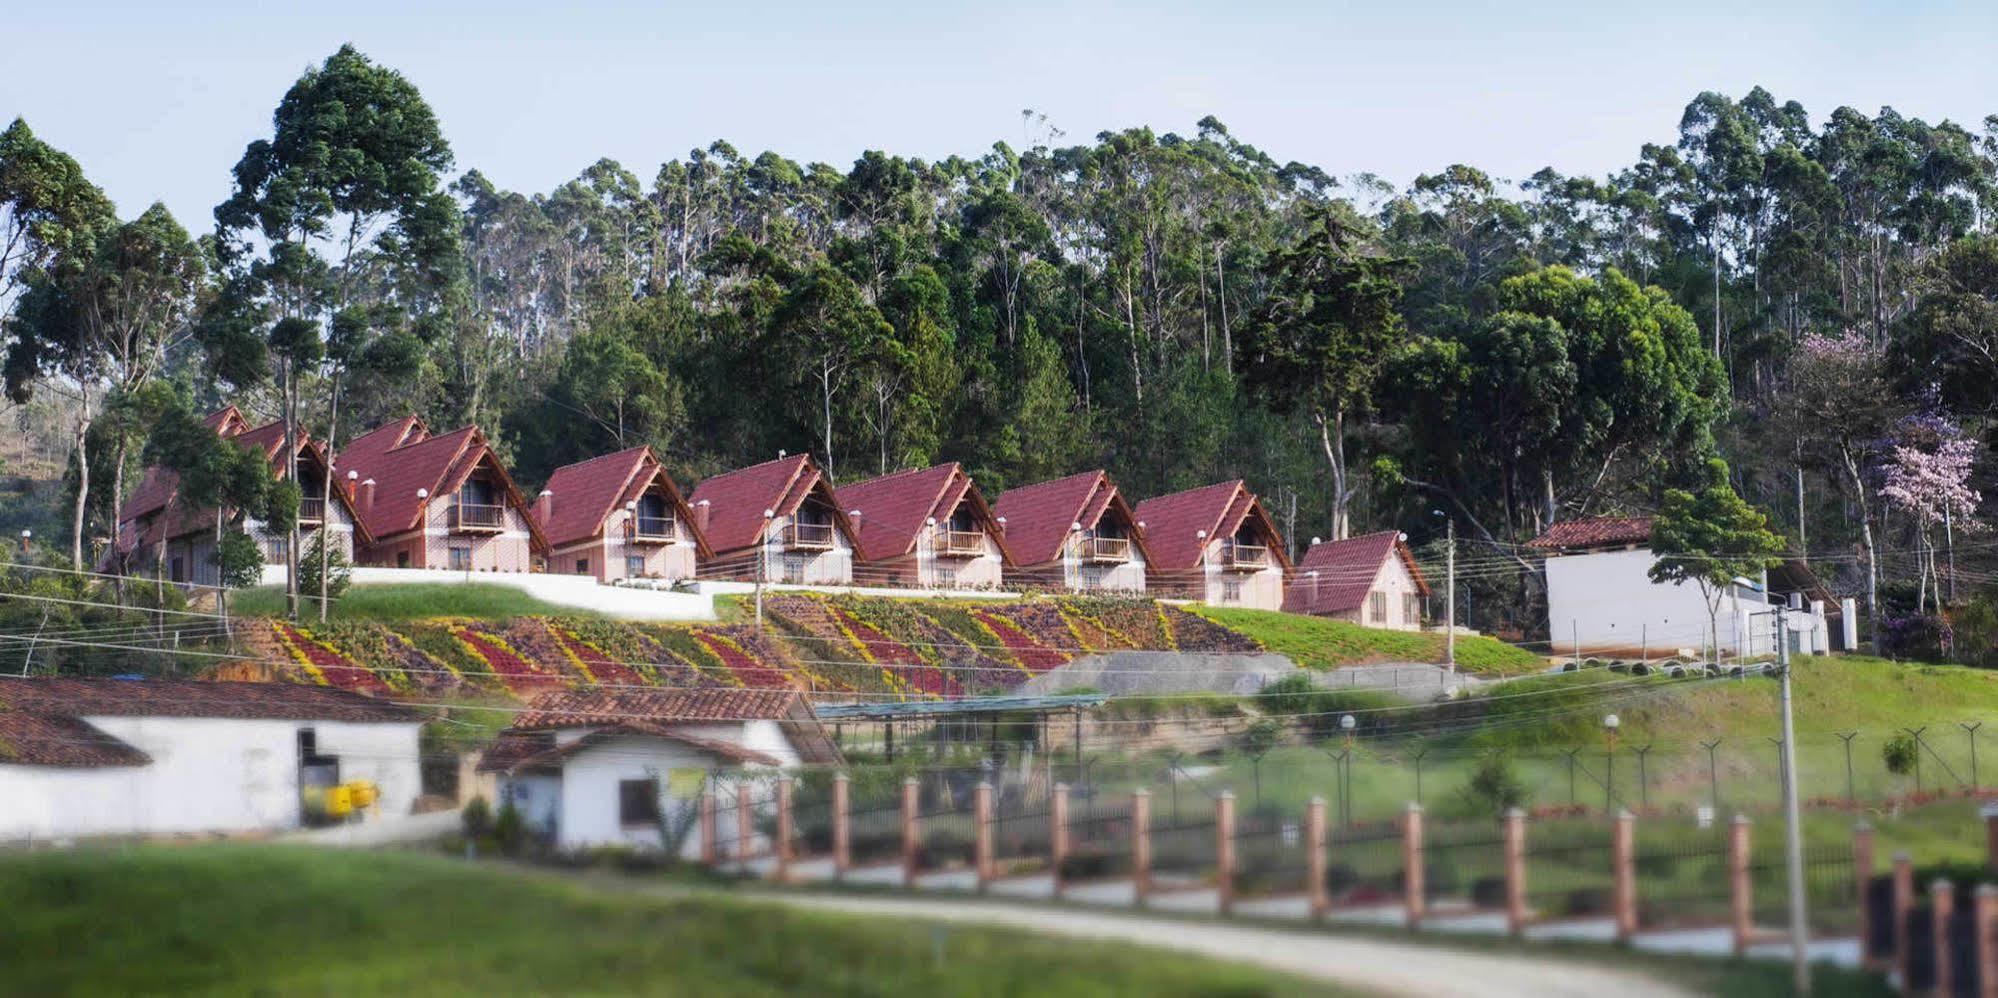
{"points": [[634, 565], [1377, 607], [946, 576], [637, 802], [582, 566], [1411, 608], [402, 559], [461, 559], [1231, 590], [794, 569], [178, 572]]}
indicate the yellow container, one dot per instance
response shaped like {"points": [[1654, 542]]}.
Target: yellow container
{"points": [[339, 802], [362, 794]]}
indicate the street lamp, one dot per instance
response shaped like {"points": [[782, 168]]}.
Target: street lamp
{"points": [[762, 557], [1610, 724], [1346, 725]]}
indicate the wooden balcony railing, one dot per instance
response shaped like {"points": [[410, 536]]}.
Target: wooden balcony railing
{"points": [[311, 512], [654, 529], [961, 543], [1245, 557], [473, 517], [800, 536], [1107, 550]]}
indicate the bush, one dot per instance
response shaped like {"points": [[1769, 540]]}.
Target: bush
{"points": [[510, 830], [477, 818], [1494, 787], [1900, 753], [339, 574]]}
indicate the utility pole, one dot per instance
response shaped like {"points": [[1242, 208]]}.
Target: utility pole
{"points": [[1450, 594], [762, 558], [1792, 823]]}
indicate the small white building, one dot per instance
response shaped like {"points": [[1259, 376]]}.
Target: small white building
{"points": [[1601, 600], [1371, 580], [117, 757], [627, 768]]}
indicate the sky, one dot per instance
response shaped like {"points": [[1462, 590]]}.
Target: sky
{"points": [[157, 100]]}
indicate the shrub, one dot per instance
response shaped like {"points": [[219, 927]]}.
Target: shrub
{"points": [[339, 574], [1900, 754], [510, 830], [1494, 787], [477, 818]]}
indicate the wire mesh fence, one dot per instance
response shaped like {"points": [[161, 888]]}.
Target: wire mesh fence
{"points": [[1569, 873], [1831, 887], [1099, 840], [1464, 862], [1365, 864], [1681, 875], [1272, 854]]}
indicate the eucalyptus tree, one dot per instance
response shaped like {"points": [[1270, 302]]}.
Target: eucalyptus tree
{"points": [[337, 226], [47, 207]]}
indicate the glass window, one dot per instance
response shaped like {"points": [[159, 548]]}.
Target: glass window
{"points": [[1231, 590], [1377, 607], [402, 559], [634, 565], [461, 559], [637, 802], [582, 566], [1411, 608]]}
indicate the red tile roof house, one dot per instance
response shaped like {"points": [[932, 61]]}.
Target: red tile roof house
{"points": [[1371, 580], [440, 502], [158, 528], [1075, 533], [611, 768], [928, 528], [619, 516], [805, 540], [1216, 544]]}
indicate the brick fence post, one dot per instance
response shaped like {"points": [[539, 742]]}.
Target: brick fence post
{"points": [[1141, 845], [1904, 902], [842, 828], [1623, 858], [784, 829], [1314, 857], [911, 834], [1740, 891], [1862, 875], [1985, 922], [1990, 814], [1224, 849], [1942, 904], [1412, 884], [710, 831], [1057, 833], [981, 838], [745, 825], [1515, 871]]}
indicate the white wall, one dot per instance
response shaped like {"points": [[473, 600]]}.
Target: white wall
{"points": [[580, 591], [207, 775], [1395, 581], [1126, 576], [1261, 589], [1607, 600]]}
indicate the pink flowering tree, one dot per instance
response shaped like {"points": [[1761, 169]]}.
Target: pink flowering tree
{"points": [[1926, 476]]}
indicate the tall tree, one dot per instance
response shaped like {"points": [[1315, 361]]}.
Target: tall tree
{"points": [[1710, 537]]}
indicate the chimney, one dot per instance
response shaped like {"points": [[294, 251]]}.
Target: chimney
{"points": [[701, 515], [27, 537], [544, 507], [854, 515], [1002, 525], [353, 478], [367, 495]]}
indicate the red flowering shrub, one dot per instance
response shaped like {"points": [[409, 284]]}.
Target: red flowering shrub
{"points": [[604, 669], [748, 670], [336, 668], [1031, 655], [520, 676]]}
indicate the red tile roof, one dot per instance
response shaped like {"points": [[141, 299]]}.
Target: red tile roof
{"points": [[1039, 517], [582, 496], [75, 697], [651, 711], [1594, 532], [32, 738], [526, 751], [401, 457], [895, 509], [1346, 571], [736, 500], [1179, 526]]}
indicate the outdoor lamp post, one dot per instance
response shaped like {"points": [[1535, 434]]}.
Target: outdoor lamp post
{"points": [[1346, 725], [762, 556], [1610, 724]]}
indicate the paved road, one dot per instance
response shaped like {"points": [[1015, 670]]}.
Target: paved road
{"points": [[1366, 964]]}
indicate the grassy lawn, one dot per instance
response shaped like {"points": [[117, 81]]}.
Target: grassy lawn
{"points": [[278, 920], [1319, 643], [414, 601]]}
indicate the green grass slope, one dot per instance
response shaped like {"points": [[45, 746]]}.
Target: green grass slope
{"points": [[278, 920], [1320, 643], [411, 601]]}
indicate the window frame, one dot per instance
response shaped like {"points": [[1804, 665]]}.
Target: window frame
{"points": [[626, 797], [1377, 606], [454, 553]]}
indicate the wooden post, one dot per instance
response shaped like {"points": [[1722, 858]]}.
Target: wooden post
{"points": [[1314, 857], [1141, 845], [1515, 872], [1862, 874], [784, 829], [710, 831], [911, 834], [1904, 902], [1411, 864], [1942, 904], [1985, 923], [1224, 849], [1623, 858], [981, 839], [842, 828], [1741, 898], [744, 825], [1057, 834]]}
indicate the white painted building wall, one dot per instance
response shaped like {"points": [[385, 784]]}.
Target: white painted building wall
{"points": [[833, 566], [207, 775], [985, 570], [1261, 589], [1079, 573], [1604, 602]]}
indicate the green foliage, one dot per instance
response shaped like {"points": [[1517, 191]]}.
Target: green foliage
{"points": [[1323, 643], [420, 601], [339, 574], [1711, 537], [239, 559], [510, 830], [476, 819], [1494, 787], [1900, 754]]}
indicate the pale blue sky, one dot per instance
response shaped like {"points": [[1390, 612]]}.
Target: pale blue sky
{"points": [[158, 99]]}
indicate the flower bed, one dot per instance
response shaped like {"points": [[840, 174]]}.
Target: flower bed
{"points": [[1193, 632], [900, 665], [1032, 657], [747, 668], [520, 676], [593, 663], [326, 666]]}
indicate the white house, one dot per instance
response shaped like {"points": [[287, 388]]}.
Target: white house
{"points": [[1601, 600], [1370, 580], [116, 757], [1216, 544], [627, 767]]}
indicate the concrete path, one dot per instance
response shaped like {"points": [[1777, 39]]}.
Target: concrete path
{"points": [[1366, 964], [379, 831]]}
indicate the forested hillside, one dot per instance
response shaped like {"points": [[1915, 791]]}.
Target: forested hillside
{"points": [[1810, 296]]}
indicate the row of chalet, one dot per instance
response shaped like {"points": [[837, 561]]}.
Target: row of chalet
{"points": [[407, 498]]}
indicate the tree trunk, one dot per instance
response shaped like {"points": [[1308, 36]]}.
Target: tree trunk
{"points": [[1548, 507], [1221, 297], [326, 500], [117, 515], [1332, 437], [1866, 549], [1803, 545], [82, 485], [291, 475]]}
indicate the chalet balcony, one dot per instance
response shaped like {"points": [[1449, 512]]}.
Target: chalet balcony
{"points": [[1106, 550], [654, 530], [477, 518], [799, 536], [1245, 557], [960, 543], [311, 512]]}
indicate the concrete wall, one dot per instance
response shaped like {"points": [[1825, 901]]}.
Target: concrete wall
{"points": [[207, 775], [1605, 602], [588, 810]]}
